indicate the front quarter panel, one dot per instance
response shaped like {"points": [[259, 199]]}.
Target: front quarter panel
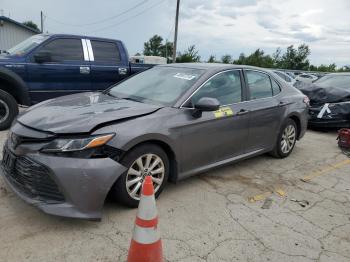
{"points": [[159, 126]]}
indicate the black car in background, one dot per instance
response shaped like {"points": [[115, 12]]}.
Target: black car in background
{"points": [[329, 101]]}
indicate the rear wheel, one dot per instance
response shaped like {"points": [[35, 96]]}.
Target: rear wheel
{"points": [[8, 109], [286, 139], [142, 161]]}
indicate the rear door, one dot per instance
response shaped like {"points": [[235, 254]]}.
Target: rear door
{"points": [[107, 65], [265, 110], [68, 71], [219, 135]]}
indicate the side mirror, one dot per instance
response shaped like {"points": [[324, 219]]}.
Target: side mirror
{"points": [[205, 104], [42, 57]]}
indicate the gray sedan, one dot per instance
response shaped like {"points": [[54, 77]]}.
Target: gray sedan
{"points": [[67, 154]]}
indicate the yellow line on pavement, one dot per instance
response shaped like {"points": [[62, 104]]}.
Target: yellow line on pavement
{"points": [[260, 197], [325, 170]]}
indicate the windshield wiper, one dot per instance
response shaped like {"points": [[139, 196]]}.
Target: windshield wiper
{"points": [[130, 99], [109, 94]]}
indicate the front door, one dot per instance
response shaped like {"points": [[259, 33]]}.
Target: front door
{"points": [[219, 135], [107, 67], [67, 72]]}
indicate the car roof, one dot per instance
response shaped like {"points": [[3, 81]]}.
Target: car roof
{"points": [[80, 36], [212, 66]]}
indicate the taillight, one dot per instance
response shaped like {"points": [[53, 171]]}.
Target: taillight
{"points": [[306, 100]]}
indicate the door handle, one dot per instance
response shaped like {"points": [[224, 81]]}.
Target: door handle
{"points": [[242, 112], [122, 71], [84, 70]]}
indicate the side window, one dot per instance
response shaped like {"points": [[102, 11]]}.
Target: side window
{"points": [[64, 50], [275, 87], [225, 87], [259, 85], [105, 52]]}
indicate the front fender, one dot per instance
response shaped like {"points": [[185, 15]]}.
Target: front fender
{"points": [[18, 88]]}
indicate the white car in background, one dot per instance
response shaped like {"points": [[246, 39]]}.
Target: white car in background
{"points": [[306, 78], [287, 78]]}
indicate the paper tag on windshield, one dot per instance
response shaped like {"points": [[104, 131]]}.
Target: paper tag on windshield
{"points": [[185, 76]]}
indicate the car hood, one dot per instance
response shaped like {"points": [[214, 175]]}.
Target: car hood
{"points": [[5, 58], [80, 113], [320, 95]]}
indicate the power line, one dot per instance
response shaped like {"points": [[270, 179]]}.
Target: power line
{"points": [[128, 18], [102, 20]]}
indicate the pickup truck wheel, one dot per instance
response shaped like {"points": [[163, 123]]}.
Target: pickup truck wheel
{"points": [[8, 109], [144, 160]]}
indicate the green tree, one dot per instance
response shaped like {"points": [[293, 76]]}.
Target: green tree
{"points": [[296, 58], [241, 59], [167, 50], [257, 58], [211, 59], [226, 59], [31, 24], [154, 46], [190, 55], [277, 58]]}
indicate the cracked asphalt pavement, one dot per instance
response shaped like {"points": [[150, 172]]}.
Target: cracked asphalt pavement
{"points": [[216, 216]]}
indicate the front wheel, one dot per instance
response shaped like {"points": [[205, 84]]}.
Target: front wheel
{"points": [[8, 109], [142, 161], [286, 140]]}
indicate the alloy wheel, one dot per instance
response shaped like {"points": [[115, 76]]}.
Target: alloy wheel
{"points": [[288, 139], [146, 165]]}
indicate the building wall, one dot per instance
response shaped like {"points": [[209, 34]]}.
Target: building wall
{"points": [[12, 34]]}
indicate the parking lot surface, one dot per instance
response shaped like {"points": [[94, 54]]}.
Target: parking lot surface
{"points": [[216, 216]]}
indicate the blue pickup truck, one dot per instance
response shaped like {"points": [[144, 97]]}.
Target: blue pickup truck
{"points": [[46, 66]]}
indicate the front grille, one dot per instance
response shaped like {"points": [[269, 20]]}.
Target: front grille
{"points": [[31, 178]]}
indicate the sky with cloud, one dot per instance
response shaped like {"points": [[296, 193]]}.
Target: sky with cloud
{"points": [[216, 27]]}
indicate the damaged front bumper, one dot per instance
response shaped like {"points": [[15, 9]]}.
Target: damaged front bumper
{"points": [[62, 186], [335, 115]]}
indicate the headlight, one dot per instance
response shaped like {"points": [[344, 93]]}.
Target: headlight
{"points": [[77, 144]]}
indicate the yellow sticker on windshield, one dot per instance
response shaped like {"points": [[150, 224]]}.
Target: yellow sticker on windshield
{"points": [[222, 112]]}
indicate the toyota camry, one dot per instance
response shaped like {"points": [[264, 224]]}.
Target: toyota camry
{"points": [[66, 155]]}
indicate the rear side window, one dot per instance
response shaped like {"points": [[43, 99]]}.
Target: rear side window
{"points": [[275, 87], [65, 50], [105, 52], [225, 87], [259, 85]]}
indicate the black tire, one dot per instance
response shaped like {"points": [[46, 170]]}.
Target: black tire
{"points": [[119, 190], [277, 151], [8, 109]]}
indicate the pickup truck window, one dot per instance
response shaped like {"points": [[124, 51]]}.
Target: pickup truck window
{"points": [[27, 45], [105, 52], [65, 50]]}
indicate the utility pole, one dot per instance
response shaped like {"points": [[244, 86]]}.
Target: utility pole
{"points": [[42, 21], [166, 50], [176, 26]]}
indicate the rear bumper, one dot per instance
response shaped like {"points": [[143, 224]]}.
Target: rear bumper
{"points": [[84, 184]]}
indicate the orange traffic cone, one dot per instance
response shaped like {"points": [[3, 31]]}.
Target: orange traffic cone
{"points": [[146, 245]]}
